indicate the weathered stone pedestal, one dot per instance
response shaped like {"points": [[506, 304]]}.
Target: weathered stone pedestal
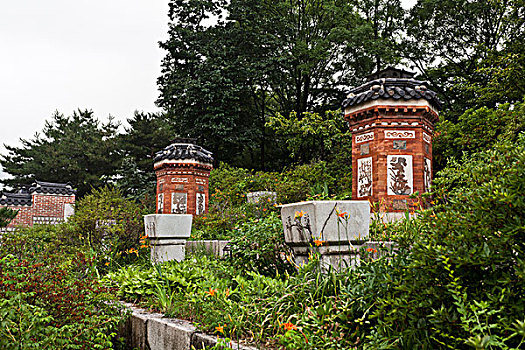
{"points": [[168, 234], [333, 229]]}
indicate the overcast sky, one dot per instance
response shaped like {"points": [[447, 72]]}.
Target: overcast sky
{"points": [[62, 55]]}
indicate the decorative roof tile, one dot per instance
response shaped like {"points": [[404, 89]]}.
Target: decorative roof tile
{"points": [[51, 188], [184, 150], [384, 86], [24, 195], [16, 199]]}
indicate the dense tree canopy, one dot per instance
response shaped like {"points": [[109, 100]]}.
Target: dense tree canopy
{"points": [[78, 149], [467, 48], [230, 65], [146, 134], [6, 215], [253, 81]]}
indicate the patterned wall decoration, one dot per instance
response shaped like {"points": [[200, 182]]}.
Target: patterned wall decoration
{"points": [[369, 136], [201, 203], [400, 175], [427, 175], [364, 177], [400, 134], [179, 203], [160, 203], [427, 138]]}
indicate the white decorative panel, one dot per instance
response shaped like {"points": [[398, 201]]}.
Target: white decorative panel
{"points": [[201, 203], [399, 175], [400, 134], [427, 175], [364, 177], [179, 203], [160, 203], [364, 137], [427, 138]]}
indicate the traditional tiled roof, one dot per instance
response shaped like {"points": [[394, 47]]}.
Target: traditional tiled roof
{"points": [[24, 196], [51, 188], [403, 88], [15, 199], [184, 150]]}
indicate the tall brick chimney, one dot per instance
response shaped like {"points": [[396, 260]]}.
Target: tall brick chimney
{"points": [[182, 170], [392, 120]]}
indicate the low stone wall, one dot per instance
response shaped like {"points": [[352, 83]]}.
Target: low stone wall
{"points": [[152, 331], [209, 247]]}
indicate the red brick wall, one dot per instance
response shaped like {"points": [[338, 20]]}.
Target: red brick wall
{"points": [[415, 119], [44, 205], [189, 178]]}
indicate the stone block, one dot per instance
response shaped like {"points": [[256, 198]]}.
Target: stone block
{"points": [[173, 334], [139, 322], [307, 221], [203, 341], [168, 234], [256, 197], [168, 252], [168, 225]]}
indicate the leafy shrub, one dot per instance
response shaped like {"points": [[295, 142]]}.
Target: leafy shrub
{"points": [[6, 215], [299, 182], [50, 297], [462, 283], [258, 245], [478, 129], [107, 223]]}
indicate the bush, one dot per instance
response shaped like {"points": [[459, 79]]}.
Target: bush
{"points": [[6, 215], [50, 296], [108, 224], [462, 282], [258, 245]]}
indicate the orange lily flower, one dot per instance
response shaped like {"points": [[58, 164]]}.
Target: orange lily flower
{"points": [[289, 326], [318, 242], [211, 292], [220, 328]]}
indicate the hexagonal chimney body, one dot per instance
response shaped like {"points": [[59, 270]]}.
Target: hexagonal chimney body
{"points": [[392, 120], [183, 170]]}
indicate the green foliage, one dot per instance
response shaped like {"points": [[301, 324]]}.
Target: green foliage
{"points": [[258, 245], [478, 129], [77, 149], [470, 50], [107, 224], [49, 298], [313, 135], [462, 280], [304, 180], [6, 215], [223, 78], [147, 134]]}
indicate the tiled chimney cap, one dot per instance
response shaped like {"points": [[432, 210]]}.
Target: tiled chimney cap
{"points": [[183, 149], [384, 85]]}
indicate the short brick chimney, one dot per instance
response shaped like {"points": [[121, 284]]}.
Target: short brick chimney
{"points": [[183, 170], [392, 120]]}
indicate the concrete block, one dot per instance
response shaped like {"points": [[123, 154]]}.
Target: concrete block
{"points": [[169, 334], [203, 341], [168, 234], [138, 327], [319, 220], [256, 197], [168, 225], [162, 253]]}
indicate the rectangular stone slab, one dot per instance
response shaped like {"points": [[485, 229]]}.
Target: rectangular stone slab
{"points": [[168, 225], [304, 222]]}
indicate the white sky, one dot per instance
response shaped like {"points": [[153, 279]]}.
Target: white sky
{"points": [[62, 55]]}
